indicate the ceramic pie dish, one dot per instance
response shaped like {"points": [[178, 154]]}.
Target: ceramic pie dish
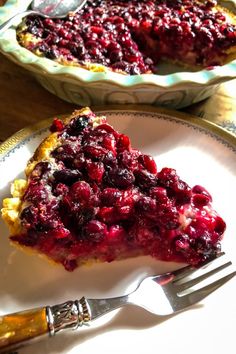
{"points": [[173, 86]]}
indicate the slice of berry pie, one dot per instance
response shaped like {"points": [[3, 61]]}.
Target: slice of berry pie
{"points": [[132, 36], [90, 196]]}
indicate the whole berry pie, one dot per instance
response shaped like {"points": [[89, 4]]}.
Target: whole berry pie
{"points": [[132, 36], [89, 195]]}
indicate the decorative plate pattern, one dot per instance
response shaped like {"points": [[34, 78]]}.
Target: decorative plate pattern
{"points": [[228, 125]]}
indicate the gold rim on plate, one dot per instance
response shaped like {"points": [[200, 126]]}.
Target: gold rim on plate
{"points": [[26, 132]]}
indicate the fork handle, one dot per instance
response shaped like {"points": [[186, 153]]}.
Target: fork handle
{"points": [[22, 328]]}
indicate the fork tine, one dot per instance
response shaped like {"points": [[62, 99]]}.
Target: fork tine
{"points": [[188, 270], [200, 294], [188, 284], [182, 272]]}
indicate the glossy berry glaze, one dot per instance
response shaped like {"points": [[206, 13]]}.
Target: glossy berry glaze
{"points": [[132, 36], [98, 198]]}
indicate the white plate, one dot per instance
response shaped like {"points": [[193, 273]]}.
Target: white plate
{"points": [[202, 154]]}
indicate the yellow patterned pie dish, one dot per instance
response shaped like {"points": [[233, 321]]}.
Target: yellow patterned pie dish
{"points": [[130, 71]]}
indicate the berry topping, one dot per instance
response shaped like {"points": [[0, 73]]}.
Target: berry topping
{"points": [[132, 36]]}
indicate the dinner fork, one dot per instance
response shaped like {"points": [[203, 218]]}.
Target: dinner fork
{"points": [[163, 294]]}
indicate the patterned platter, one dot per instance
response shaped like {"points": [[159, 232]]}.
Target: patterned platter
{"points": [[202, 153]]}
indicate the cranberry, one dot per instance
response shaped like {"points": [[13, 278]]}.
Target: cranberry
{"points": [[203, 244], [66, 176], [146, 204], [160, 195], [110, 196], [109, 142], [123, 143], [113, 46], [182, 191], [52, 40], [121, 177], [70, 264], [48, 22], [60, 234], [147, 25], [200, 225], [95, 231], [167, 177], [65, 152], [211, 3], [121, 65], [128, 160], [116, 234], [77, 125], [81, 191], [205, 35], [201, 190], [36, 193], [109, 160], [220, 225], [182, 243], [199, 200], [79, 161], [95, 152], [116, 56], [57, 125], [108, 215], [145, 179], [97, 30], [95, 171], [107, 128], [149, 163], [168, 217]]}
